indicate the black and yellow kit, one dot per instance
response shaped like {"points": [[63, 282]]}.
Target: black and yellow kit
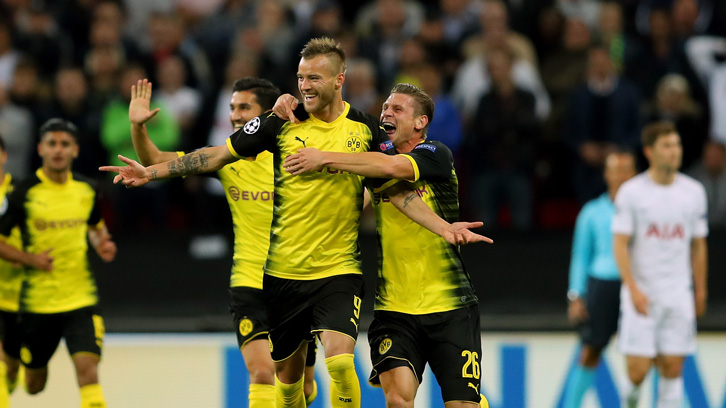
{"points": [[55, 217], [314, 232], [426, 310], [11, 280]]}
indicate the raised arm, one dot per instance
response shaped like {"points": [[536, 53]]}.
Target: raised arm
{"points": [[139, 114], [204, 160], [410, 204], [699, 263], [368, 164], [622, 259]]}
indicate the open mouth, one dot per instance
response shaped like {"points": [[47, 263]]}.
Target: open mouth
{"points": [[390, 128]]}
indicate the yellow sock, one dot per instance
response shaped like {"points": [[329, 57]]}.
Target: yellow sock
{"points": [[289, 395], [310, 398], [262, 396], [344, 385], [4, 395], [484, 403], [92, 396]]}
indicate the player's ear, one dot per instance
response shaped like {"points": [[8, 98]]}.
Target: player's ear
{"points": [[421, 122], [339, 80]]}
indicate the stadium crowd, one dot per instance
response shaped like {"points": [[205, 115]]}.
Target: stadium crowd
{"points": [[531, 96]]}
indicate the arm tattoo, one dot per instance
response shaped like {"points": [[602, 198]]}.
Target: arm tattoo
{"points": [[192, 163], [408, 199], [154, 175]]}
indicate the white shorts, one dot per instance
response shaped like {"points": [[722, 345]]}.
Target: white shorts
{"points": [[668, 329]]}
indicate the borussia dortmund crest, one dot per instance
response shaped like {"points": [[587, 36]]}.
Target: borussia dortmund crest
{"points": [[353, 144], [385, 346], [245, 327]]}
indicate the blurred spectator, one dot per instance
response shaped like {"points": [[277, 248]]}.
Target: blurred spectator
{"points": [[71, 102], [383, 26], [324, 21], [550, 29], [460, 19], [38, 36], [413, 55], [562, 71], [26, 89], [360, 86], [446, 126], [103, 66], [500, 147], [447, 57], [472, 79], [708, 57], [585, 10], [610, 32], [711, 172], [673, 103], [689, 16], [181, 101], [602, 115], [16, 126], [658, 54], [8, 55]]}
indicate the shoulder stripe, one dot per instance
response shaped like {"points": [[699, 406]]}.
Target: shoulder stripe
{"points": [[416, 173], [231, 149]]}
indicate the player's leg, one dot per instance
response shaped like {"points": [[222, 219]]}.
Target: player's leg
{"points": [[637, 342], [4, 393], [311, 386], [84, 332], [454, 354], [250, 322], [290, 315], [397, 356], [336, 315], [40, 335], [603, 308]]}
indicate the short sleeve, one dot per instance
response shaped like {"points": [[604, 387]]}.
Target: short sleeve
{"points": [[700, 226], [10, 213], [259, 134], [431, 160], [623, 220]]}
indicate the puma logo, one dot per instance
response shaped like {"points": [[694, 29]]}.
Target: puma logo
{"points": [[354, 322], [473, 386], [301, 140]]}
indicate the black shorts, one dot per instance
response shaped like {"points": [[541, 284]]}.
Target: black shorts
{"points": [[603, 308], [449, 341], [248, 313], [40, 334], [297, 309], [10, 333]]}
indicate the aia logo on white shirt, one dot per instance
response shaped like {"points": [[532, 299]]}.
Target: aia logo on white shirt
{"points": [[665, 232]]}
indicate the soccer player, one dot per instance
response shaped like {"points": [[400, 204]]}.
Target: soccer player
{"points": [[426, 309], [57, 210], [594, 292], [312, 283], [248, 186], [660, 228]]}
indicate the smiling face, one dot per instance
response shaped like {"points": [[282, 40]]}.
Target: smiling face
{"points": [[58, 149], [242, 108], [318, 82], [399, 118]]}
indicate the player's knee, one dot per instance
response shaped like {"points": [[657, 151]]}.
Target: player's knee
{"points": [[671, 369], [395, 399], [637, 374], [262, 375]]}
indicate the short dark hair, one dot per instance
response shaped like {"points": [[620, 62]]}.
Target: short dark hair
{"points": [[653, 131], [59, 125], [264, 90], [328, 47], [424, 103]]}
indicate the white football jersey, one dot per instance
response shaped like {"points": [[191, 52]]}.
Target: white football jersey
{"points": [[661, 221]]}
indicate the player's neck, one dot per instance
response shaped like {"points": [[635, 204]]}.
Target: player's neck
{"points": [[332, 111], [408, 145], [56, 176], [661, 176]]}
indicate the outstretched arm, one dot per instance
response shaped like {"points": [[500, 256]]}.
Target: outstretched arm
{"points": [[409, 203], [101, 241], [139, 114], [204, 160], [42, 261], [368, 164]]}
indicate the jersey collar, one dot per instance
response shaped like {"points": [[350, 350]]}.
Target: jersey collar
{"points": [[41, 175]]}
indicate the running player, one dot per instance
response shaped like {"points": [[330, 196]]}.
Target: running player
{"points": [[248, 186], [426, 309], [594, 292], [312, 283], [58, 210], [660, 229]]}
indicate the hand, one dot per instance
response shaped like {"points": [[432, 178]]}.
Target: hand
{"points": [[701, 297], [640, 301], [284, 107], [139, 106], [106, 249], [43, 261], [133, 175], [305, 160], [458, 233], [576, 311]]}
